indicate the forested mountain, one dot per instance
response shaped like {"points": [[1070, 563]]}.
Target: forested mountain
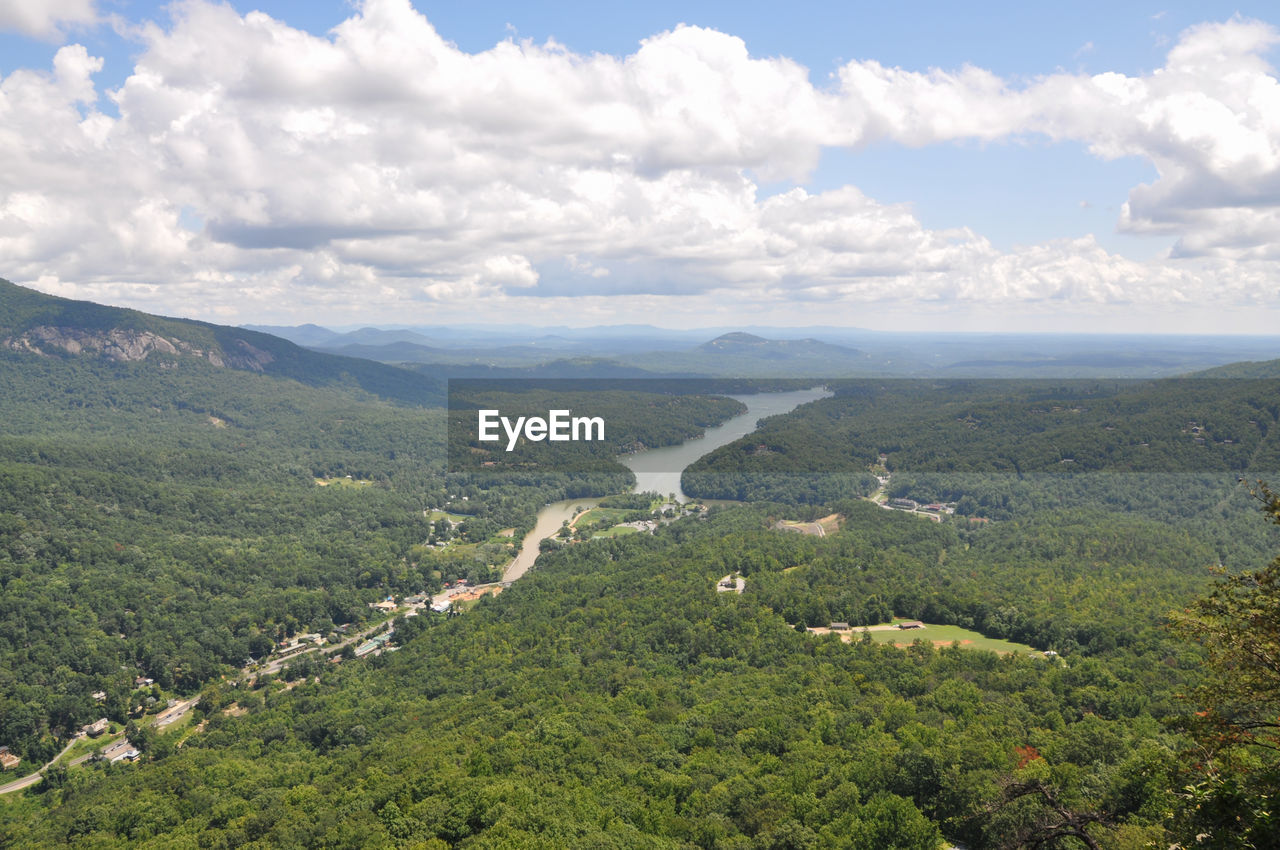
{"points": [[33, 322], [1249, 370], [167, 517], [613, 699], [1018, 428]]}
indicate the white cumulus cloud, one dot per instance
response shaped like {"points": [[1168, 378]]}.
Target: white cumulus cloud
{"points": [[44, 18], [381, 168]]}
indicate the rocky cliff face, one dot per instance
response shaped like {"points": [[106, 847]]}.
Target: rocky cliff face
{"points": [[130, 345]]}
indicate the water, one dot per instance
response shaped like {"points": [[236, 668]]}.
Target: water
{"points": [[550, 518], [658, 470]]}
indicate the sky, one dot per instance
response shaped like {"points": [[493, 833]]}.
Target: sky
{"points": [[1080, 167]]}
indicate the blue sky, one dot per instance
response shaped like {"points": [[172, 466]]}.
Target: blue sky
{"points": [[903, 219]]}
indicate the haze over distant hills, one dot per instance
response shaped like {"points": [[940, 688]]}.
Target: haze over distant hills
{"points": [[637, 350], [366, 357]]}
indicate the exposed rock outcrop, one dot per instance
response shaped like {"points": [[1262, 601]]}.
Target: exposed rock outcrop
{"points": [[124, 345]]}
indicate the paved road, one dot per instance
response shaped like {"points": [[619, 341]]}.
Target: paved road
{"points": [[28, 781], [276, 665], [175, 713]]}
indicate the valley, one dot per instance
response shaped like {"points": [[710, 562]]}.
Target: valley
{"points": [[183, 546]]}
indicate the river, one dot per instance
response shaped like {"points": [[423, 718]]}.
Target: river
{"points": [[658, 470]]}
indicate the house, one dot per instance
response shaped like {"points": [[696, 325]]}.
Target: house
{"points": [[839, 627], [100, 696], [143, 681], [7, 759], [96, 728], [911, 624], [384, 605], [120, 750], [904, 504]]}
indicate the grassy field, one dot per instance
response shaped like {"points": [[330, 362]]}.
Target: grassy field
{"points": [[616, 531], [599, 516], [944, 636], [435, 516]]}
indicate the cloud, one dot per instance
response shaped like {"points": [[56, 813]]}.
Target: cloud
{"points": [[46, 19], [381, 167]]}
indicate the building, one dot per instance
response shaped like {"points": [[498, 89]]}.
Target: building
{"points": [[120, 751], [904, 504], [8, 760], [372, 644], [96, 728], [839, 627], [911, 624]]}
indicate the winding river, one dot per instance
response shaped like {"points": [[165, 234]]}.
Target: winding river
{"points": [[658, 470]]}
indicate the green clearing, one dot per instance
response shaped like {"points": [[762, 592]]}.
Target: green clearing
{"points": [[88, 745], [945, 635], [435, 516], [342, 482], [616, 531], [601, 516]]}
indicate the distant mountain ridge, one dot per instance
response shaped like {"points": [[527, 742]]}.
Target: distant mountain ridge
{"points": [[777, 351], [742, 343], [49, 326]]}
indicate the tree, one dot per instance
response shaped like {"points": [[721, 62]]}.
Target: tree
{"points": [[1231, 801], [1048, 822]]}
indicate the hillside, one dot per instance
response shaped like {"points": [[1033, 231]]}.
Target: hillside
{"points": [[34, 323], [612, 699], [1243, 371], [166, 518], [738, 344], [740, 354], [170, 508]]}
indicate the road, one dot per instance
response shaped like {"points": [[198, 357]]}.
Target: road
{"points": [[174, 713], [276, 665], [28, 781]]}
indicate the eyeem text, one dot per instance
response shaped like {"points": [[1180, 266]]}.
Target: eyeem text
{"points": [[559, 426]]}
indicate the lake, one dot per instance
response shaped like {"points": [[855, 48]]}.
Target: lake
{"points": [[658, 470]]}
